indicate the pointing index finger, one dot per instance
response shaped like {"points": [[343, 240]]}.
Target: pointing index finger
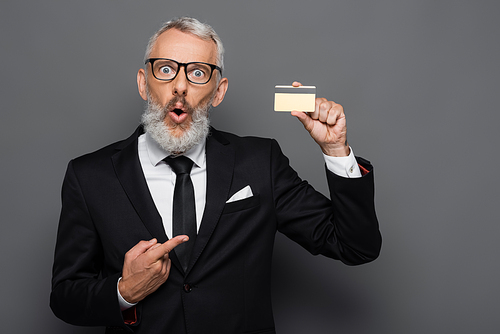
{"points": [[168, 245]]}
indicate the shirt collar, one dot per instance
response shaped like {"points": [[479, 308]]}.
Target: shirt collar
{"points": [[156, 153]]}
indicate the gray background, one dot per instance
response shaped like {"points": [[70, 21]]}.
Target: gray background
{"points": [[419, 83]]}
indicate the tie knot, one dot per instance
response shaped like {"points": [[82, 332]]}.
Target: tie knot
{"points": [[180, 165]]}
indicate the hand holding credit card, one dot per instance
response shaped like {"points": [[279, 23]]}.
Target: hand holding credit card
{"points": [[323, 119], [288, 98]]}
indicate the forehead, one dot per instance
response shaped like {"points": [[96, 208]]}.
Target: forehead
{"points": [[183, 47]]}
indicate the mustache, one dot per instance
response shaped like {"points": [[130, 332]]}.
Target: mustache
{"points": [[170, 105], [159, 112]]}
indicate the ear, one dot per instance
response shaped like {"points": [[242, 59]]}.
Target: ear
{"points": [[220, 92], [141, 84]]}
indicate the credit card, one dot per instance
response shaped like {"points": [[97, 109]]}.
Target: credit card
{"points": [[288, 98]]}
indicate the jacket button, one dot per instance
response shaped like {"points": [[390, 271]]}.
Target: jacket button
{"points": [[187, 287]]}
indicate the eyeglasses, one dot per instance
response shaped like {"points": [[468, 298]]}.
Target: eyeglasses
{"points": [[196, 72]]}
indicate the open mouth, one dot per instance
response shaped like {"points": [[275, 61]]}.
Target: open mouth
{"points": [[178, 111], [178, 115]]}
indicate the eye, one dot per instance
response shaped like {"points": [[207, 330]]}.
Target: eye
{"points": [[198, 73], [166, 70]]}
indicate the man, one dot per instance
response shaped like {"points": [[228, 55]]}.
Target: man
{"points": [[120, 260]]}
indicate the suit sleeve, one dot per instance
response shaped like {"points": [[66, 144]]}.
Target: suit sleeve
{"points": [[80, 295], [344, 228]]}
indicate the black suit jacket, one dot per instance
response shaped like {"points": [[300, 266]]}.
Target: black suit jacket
{"points": [[107, 209]]}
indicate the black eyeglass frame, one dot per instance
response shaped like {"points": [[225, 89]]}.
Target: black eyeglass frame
{"points": [[212, 66]]}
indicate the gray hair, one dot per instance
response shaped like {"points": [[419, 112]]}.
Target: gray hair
{"points": [[192, 26]]}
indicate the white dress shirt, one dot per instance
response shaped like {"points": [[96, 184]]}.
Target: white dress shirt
{"points": [[161, 180]]}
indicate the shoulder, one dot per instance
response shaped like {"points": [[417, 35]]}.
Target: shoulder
{"points": [[248, 150], [104, 154], [248, 142]]}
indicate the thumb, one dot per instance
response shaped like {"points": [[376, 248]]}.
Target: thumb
{"points": [[304, 119]]}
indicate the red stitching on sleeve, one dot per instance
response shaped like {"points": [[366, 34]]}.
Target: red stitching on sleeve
{"points": [[130, 315]]}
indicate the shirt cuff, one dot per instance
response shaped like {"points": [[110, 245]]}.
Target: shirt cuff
{"points": [[124, 305], [343, 166]]}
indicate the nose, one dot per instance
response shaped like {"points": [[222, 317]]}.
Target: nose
{"points": [[180, 83]]}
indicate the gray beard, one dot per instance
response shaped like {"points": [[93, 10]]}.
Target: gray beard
{"points": [[153, 121]]}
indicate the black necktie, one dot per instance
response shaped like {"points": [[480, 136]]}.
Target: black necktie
{"points": [[184, 212]]}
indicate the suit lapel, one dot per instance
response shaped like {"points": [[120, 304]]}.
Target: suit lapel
{"points": [[129, 172], [220, 167]]}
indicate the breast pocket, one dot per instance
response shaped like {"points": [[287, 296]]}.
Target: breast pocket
{"points": [[241, 205]]}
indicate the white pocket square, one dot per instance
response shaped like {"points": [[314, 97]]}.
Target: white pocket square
{"points": [[242, 194]]}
